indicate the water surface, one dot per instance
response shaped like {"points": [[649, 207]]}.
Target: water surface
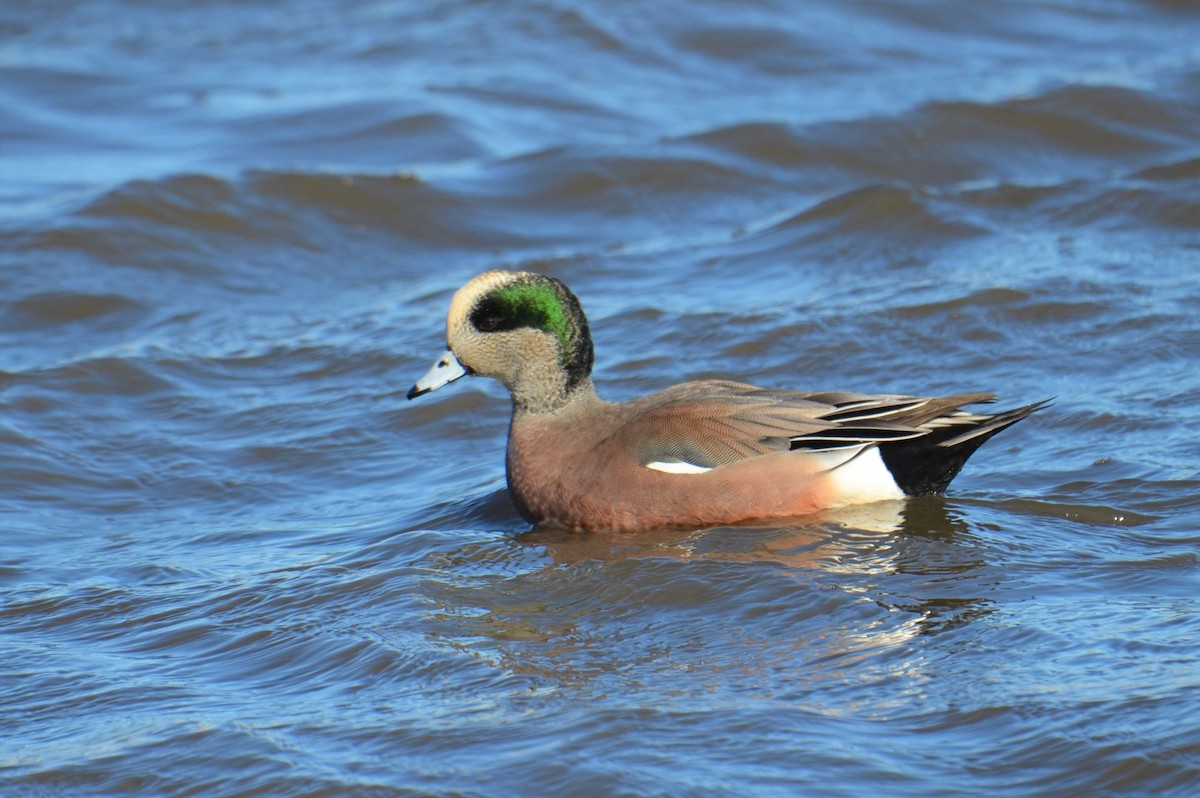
{"points": [[235, 561]]}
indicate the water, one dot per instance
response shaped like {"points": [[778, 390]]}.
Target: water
{"points": [[235, 561]]}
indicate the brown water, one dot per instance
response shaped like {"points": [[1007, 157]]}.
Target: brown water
{"points": [[235, 561]]}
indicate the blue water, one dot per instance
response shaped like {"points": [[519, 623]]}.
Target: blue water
{"points": [[234, 560]]}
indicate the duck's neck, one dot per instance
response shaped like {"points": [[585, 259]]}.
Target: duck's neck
{"points": [[548, 401]]}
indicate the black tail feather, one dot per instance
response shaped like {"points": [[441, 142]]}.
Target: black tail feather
{"points": [[927, 464]]}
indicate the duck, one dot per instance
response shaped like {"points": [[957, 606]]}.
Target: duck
{"points": [[699, 454]]}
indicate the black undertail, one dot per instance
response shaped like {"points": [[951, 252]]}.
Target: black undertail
{"points": [[927, 464]]}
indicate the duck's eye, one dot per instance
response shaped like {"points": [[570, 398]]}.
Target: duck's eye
{"points": [[508, 310], [492, 316], [488, 322]]}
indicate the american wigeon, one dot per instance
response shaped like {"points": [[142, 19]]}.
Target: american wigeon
{"points": [[697, 454]]}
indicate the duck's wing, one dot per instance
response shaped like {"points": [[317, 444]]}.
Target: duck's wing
{"points": [[698, 426]]}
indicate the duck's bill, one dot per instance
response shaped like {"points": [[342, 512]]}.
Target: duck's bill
{"points": [[446, 369]]}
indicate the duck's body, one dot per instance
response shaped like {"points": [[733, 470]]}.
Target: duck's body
{"points": [[696, 454], [580, 468]]}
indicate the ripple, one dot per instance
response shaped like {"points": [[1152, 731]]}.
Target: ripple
{"points": [[328, 133], [1025, 140], [877, 208], [58, 308], [1188, 169]]}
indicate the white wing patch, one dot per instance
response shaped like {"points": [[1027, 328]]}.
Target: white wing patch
{"points": [[677, 467]]}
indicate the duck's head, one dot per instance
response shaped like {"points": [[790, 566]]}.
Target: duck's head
{"points": [[526, 330]]}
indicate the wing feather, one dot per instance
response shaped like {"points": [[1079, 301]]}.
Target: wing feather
{"points": [[712, 423]]}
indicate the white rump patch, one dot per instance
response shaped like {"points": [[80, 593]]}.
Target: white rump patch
{"points": [[677, 467], [864, 478]]}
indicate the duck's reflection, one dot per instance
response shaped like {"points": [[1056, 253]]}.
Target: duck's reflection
{"points": [[845, 595]]}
